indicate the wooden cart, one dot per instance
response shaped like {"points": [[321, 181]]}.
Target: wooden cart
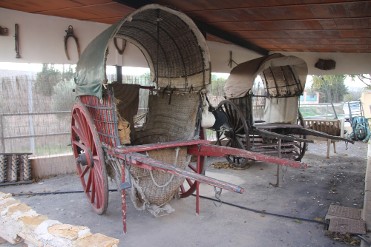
{"points": [[261, 110], [164, 156]]}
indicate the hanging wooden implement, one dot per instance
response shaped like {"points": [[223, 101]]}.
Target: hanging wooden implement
{"points": [[70, 34], [16, 37]]}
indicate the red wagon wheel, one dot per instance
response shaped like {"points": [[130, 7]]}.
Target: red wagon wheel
{"points": [[235, 134], [301, 147], [88, 152], [189, 186]]}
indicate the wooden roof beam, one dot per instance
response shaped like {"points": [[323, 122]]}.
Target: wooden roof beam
{"points": [[206, 28]]}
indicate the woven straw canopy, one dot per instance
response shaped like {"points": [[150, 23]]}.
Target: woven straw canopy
{"points": [[283, 76], [175, 50]]}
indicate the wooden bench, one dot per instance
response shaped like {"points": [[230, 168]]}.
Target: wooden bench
{"points": [[333, 127]]}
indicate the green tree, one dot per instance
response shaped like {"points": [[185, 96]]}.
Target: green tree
{"points": [[63, 96], [49, 77], [354, 94], [330, 87], [217, 85]]}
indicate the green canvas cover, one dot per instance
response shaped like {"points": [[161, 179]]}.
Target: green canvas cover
{"points": [[90, 69]]}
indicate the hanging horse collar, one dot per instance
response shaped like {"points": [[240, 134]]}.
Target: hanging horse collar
{"points": [[123, 46], [70, 34]]}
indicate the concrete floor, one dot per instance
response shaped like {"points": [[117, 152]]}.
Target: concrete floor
{"points": [[303, 194]]}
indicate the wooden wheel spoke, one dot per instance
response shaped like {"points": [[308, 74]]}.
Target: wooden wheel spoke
{"points": [[79, 121], [86, 130], [238, 137], [182, 190], [92, 198], [230, 116], [79, 132], [192, 168], [189, 186], [96, 161], [76, 120], [84, 172], [80, 145], [239, 128], [223, 138], [84, 138], [189, 181], [99, 192], [87, 189], [228, 144], [239, 143]]}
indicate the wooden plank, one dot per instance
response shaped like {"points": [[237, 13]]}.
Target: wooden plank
{"points": [[148, 163], [155, 146], [218, 151]]}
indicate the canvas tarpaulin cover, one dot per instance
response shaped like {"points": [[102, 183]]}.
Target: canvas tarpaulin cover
{"points": [[284, 80], [241, 78]]}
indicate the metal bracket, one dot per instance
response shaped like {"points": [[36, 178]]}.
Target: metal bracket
{"points": [[4, 31]]}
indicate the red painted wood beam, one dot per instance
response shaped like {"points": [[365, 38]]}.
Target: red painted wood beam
{"points": [[221, 151], [155, 146], [145, 162]]}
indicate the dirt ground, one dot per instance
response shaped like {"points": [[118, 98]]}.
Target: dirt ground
{"points": [[304, 194]]}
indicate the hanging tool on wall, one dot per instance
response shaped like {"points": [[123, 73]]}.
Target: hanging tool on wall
{"points": [[4, 31], [16, 37], [123, 46], [70, 34], [231, 61]]}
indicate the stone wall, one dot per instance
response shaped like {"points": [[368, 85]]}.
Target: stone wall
{"points": [[19, 223]]}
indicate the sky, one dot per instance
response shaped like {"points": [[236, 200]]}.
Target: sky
{"points": [[352, 84], [34, 67]]}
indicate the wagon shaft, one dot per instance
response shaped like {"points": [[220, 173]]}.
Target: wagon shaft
{"points": [[269, 134], [145, 162], [220, 151], [305, 131]]}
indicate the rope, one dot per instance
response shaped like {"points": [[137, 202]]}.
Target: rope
{"points": [[263, 211], [172, 175]]}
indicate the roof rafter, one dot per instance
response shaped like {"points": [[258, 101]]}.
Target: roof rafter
{"points": [[206, 28]]}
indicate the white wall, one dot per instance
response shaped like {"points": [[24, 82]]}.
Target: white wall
{"points": [[42, 41], [346, 63]]}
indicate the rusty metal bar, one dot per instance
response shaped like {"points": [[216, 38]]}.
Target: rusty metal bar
{"points": [[221, 151], [145, 162]]}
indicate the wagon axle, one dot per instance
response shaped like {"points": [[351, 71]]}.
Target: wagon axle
{"points": [[82, 159]]}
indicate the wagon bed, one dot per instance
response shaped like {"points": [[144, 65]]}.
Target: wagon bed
{"points": [[165, 156], [261, 110]]}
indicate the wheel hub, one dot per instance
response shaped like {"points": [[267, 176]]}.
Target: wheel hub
{"points": [[84, 158], [229, 134]]}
